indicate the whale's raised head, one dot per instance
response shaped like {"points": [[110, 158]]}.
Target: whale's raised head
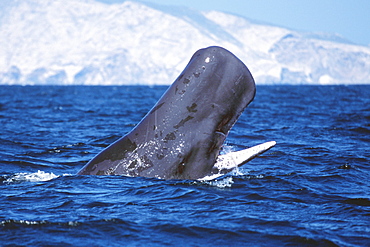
{"points": [[181, 137]]}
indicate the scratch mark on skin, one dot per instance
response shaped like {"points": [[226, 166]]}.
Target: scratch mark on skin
{"points": [[182, 122], [192, 108]]}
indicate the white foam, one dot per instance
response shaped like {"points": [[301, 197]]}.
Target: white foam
{"points": [[225, 182], [38, 176]]}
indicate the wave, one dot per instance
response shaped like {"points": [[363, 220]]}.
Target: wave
{"points": [[39, 176]]}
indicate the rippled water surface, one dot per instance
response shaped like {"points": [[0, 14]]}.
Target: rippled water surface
{"points": [[311, 189]]}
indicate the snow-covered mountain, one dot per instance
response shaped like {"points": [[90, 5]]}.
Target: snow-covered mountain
{"points": [[88, 42]]}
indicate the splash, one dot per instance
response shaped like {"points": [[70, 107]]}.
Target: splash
{"points": [[38, 176], [227, 148], [226, 182]]}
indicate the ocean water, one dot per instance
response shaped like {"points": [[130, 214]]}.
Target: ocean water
{"points": [[311, 189]]}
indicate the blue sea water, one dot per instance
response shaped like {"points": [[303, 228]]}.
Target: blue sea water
{"points": [[311, 189]]}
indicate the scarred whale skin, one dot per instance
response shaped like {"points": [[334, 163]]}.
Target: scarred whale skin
{"points": [[181, 137]]}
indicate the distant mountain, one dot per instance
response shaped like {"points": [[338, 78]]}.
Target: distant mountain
{"points": [[88, 42]]}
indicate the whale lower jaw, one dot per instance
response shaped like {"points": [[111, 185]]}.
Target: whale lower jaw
{"points": [[227, 162]]}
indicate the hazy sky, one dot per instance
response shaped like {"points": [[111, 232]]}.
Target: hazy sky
{"points": [[349, 18]]}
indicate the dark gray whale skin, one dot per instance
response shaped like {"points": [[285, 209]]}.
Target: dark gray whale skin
{"points": [[181, 137]]}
